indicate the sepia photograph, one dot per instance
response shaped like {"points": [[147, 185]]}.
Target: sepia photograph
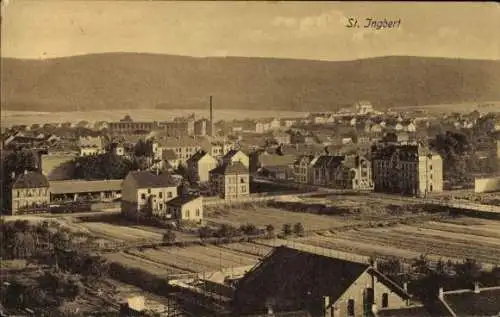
{"points": [[249, 158]]}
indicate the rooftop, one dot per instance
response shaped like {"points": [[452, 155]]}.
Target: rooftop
{"points": [[230, 168], [145, 179], [182, 200], [84, 186], [469, 303], [31, 180]]}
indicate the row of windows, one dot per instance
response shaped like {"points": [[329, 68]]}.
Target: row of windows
{"points": [[232, 180], [32, 192], [351, 304], [243, 189], [160, 195]]}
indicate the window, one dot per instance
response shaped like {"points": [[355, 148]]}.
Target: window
{"points": [[169, 194], [161, 206], [187, 213], [17, 191], [430, 167], [242, 180], [385, 300], [350, 307], [143, 196], [197, 212], [149, 190], [160, 195], [243, 189]]}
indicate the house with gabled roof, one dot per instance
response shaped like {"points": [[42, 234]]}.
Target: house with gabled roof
{"points": [[230, 181], [186, 208], [289, 280], [145, 193], [30, 193], [199, 165], [236, 156], [321, 169], [302, 169]]}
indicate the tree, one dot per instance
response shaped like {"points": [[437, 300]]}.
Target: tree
{"points": [[286, 229], [143, 148], [102, 166], [249, 229], [270, 230], [205, 232], [468, 271], [421, 265], [169, 236], [298, 229]]}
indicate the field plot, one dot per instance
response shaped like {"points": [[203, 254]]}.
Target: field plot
{"points": [[261, 217], [133, 261], [456, 242], [120, 233], [248, 248], [194, 259]]}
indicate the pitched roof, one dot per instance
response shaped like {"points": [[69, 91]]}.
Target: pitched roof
{"points": [[31, 180], [268, 160], [290, 276], [468, 303], [182, 200], [230, 168], [83, 186], [197, 156], [145, 179], [327, 161]]}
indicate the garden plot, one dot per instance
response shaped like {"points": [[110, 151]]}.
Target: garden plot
{"points": [[196, 259], [248, 248], [120, 233], [449, 241], [131, 261]]}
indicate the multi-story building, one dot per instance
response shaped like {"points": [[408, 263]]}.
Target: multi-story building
{"points": [[230, 181], [128, 126], [410, 169], [354, 172], [302, 169], [322, 168], [217, 148], [183, 147], [179, 127], [201, 127], [147, 194], [199, 165], [30, 193]]}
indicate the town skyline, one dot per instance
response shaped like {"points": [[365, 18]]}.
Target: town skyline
{"points": [[311, 31]]}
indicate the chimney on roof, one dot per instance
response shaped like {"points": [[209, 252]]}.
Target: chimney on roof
{"points": [[211, 118], [477, 290]]}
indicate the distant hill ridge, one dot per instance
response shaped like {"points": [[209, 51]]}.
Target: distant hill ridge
{"points": [[137, 80]]}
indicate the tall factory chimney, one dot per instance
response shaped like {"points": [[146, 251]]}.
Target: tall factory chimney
{"points": [[211, 118]]}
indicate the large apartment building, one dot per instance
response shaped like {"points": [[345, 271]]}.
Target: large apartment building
{"points": [[407, 169], [128, 126], [230, 181]]}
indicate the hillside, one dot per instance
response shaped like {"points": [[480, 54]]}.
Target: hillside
{"points": [[127, 80]]}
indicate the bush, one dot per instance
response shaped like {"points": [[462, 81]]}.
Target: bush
{"points": [[298, 229], [287, 229]]}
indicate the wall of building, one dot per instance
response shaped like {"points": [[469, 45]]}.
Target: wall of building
{"points": [[357, 291], [26, 199], [205, 165], [189, 211], [485, 185]]}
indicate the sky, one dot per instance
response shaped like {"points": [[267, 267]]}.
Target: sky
{"points": [[300, 30]]}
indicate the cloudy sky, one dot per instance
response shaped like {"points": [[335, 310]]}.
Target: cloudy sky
{"points": [[46, 29]]}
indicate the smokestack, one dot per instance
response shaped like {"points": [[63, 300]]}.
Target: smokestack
{"points": [[211, 118]]}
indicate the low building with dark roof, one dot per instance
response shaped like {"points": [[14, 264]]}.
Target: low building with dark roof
{"points": [[476, 302], [230, 181], [30, 193], [83, 190], [289, 280], [146, 194], [186, 208]]}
